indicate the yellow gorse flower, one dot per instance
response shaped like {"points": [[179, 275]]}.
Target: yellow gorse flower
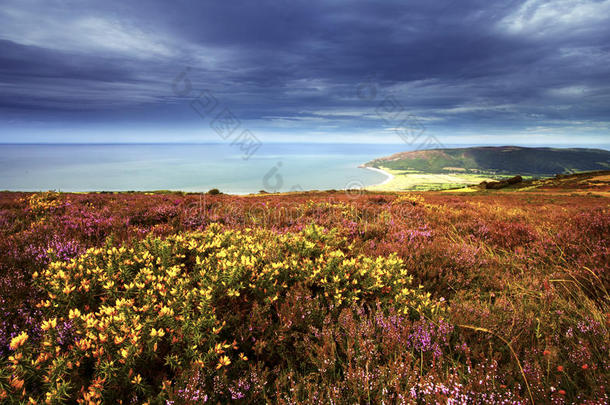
{"points": [[18, 340], [16, 383], [223, 361], [157, 333], [50, 324], [166, 311], [68, 289]]}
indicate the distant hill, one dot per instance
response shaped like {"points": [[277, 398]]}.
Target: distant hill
{"points": [[498, 160]]}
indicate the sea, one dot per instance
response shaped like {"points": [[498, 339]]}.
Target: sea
{"points": [[234, 169], [278, 167]]}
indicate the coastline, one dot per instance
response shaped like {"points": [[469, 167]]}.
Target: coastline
{"points": [[388, 179]]}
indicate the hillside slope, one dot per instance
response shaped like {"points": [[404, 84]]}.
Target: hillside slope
{"points": [[498, 160], [597, 183]]}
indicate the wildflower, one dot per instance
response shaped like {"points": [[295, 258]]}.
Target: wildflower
{"points": [[74, 313], [243, 357], [546, 352], [560, 368], [166, 385], [223, 361], [217, 329], [585, 366], [83, 344], [166, 311], [157, 333], [562, 392], [68, 289], [50, 324], [16, 358], [17, 383], [18, 340]]}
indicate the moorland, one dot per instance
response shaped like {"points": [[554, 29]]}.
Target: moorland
{"points": [[490, 296]]}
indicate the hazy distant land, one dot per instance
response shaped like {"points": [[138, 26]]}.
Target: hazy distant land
{"points": [[459, 167]]}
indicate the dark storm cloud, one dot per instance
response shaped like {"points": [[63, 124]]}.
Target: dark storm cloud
{"points": [[521, 65]]}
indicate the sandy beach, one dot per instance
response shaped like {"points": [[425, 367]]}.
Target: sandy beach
{"points": [[387, 180]]}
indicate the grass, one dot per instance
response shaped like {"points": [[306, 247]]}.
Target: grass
{"points": [[412, 180], [312, 297]]}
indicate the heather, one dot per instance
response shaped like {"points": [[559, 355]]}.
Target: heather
{"points": [[304, 298]]}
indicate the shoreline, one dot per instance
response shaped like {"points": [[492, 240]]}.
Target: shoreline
{"points": [[389, 177]]}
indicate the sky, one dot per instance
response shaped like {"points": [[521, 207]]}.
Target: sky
{"points": [[461, 71]]}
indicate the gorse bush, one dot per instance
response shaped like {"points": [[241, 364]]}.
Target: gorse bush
{"points": [[119, 322], [44, 202]]}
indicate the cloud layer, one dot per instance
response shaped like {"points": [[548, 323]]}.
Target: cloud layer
{"points": [[297, 68]]}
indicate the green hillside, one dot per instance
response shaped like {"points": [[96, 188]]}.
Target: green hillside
{"points": [[498, 160]]}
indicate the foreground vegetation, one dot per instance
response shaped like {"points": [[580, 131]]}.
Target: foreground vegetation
{"points": [[307, 298]]}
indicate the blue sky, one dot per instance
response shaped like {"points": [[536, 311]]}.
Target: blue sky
{"points": [[488, 72]]}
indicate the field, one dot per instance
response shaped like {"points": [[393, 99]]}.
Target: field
{"points": [[328, 297], [419, 181]]}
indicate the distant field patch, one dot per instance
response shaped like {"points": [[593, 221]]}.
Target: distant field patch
{"points": [[602, 178], [410, 180]]}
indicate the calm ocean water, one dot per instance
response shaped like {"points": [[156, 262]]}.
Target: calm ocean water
{"points": [[188, 167]]}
